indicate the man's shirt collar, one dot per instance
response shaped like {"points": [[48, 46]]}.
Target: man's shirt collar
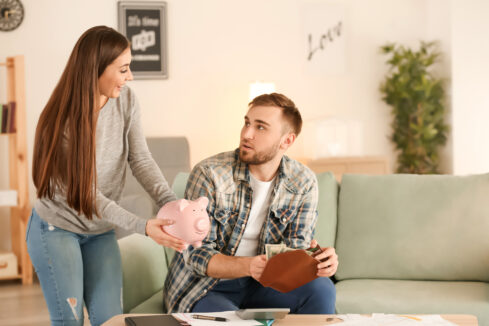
{"points": [[242, 173]]}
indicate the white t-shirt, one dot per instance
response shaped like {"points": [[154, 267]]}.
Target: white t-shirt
{"points": [[260, 205]]}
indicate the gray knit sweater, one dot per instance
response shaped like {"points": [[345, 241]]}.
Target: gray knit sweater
{"points": [[119, 140]]}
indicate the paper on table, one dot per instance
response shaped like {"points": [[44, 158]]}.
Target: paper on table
{"points": [[233, 319], [393, 320]]}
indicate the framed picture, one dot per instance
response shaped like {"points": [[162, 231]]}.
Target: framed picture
{"points": [[144, 24]]}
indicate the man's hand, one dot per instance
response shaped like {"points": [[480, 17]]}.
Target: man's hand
{"points": [[257, 265], [154, 229], [328, 267], [223, 266]]}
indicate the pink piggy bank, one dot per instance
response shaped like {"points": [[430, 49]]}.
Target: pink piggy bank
{"points": [[191, 220]]}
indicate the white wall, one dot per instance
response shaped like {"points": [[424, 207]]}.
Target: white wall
{"points": [[439, 27], [218, 47], [470, 74]]}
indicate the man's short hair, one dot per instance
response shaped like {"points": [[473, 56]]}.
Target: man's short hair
{"points": [[289, 110]]}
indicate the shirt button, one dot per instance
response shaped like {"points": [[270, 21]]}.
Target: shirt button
{"points": [[205, 291], [283, 219], [188, 309]]}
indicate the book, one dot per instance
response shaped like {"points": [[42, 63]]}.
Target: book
{"points": [[1, 117], [153, 320], [11, 125], [7, 123], [4, 118]]}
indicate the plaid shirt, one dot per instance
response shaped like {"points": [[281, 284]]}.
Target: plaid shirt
{"points": [[224, 179]]}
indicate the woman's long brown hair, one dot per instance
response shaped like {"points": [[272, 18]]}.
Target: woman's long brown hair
{"points": [[64, 145]]}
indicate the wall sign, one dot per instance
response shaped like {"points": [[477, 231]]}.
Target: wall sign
{"points": [[324, 38], [144, 24]]}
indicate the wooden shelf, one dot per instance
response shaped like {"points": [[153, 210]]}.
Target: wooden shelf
{"points": [[373, 165], [18, 168], [13, 277]]}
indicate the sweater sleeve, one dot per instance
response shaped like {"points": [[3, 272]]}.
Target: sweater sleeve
{"points": [[117, 215]]}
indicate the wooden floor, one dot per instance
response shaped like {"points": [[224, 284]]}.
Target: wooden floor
{"points": [[23, 305]]}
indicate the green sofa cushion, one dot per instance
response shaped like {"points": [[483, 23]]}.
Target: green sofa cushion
{"points": [[328, 202], [144, 269], [414, 227], [153, 305], [413, 297], [180, 183]]}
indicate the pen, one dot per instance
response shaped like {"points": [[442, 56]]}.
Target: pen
{"points": [[209, 318]]}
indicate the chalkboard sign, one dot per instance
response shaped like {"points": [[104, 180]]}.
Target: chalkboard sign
{"points": [[144, 24]]}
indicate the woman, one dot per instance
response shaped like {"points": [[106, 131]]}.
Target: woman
{"points": [[87, 132]]}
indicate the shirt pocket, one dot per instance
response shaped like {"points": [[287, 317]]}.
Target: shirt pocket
{"points": [[222, 216], [225, 221], [228, 201], [286, 209], [284, 216]]}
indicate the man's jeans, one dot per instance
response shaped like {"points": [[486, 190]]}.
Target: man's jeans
{"points": [[76, 268], [316, 297]]}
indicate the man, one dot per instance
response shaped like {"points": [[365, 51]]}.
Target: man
{"points": [[257, 196]]}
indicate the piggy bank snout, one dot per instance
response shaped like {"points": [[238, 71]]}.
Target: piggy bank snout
{"points": [[201, 224]]}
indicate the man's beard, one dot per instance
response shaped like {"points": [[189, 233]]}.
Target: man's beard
{"points": [[260, 157]]}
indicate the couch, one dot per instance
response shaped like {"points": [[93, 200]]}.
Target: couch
{"points": [[406, 244]]}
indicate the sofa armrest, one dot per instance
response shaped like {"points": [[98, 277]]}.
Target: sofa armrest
{"points": [[144, 269], [325, 232]]}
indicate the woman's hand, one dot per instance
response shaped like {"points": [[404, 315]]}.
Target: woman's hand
{"points": [[329, 258], [154, 229]]}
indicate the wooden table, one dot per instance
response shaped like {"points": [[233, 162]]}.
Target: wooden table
{"points": [[316, 320]]}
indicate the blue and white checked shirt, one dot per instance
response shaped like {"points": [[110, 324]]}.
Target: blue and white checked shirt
{"points": [[225, 180]]}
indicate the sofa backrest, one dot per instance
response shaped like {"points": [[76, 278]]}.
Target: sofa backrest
{"points": [[180, 183], [430, 227], [171, 154]]}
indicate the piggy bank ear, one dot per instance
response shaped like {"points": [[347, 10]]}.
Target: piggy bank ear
{"points": [[181, 204], [203, 202]]}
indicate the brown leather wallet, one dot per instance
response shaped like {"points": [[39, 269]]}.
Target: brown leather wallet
{"points": [[289, 270]]}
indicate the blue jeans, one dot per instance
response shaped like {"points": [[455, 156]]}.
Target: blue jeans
{"points": [[74, 269], [315, 297]]}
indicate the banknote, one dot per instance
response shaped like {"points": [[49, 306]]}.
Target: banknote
{"points": [[275, 249]]}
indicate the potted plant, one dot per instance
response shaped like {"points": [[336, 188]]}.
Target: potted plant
{"points": [[417, 100]]}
